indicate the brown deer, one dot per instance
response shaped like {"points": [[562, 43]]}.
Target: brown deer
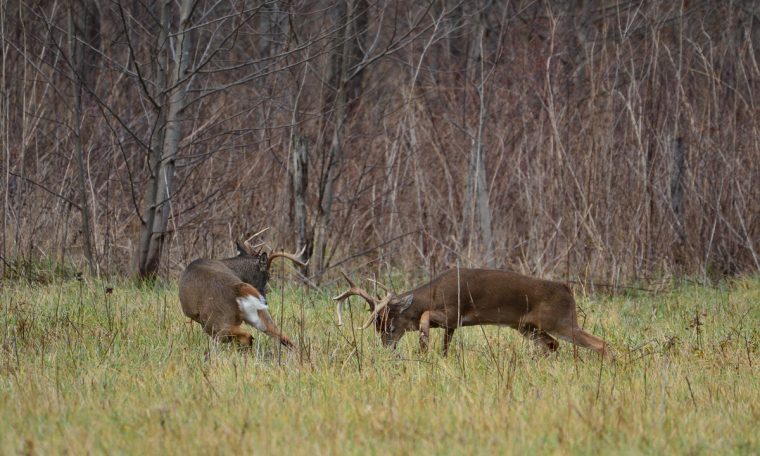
{"points": [[538, 309], [221, 294]]}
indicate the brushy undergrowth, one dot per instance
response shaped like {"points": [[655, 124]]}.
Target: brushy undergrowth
{"points": [[87, 367]]}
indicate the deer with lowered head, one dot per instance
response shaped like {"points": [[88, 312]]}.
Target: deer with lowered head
{"points": [[539, 309], [222, 294]]}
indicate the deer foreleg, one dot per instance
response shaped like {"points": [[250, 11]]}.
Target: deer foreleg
{"points": [[424, 331]]}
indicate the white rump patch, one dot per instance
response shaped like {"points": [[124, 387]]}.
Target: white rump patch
{"points": [[250, 306]]}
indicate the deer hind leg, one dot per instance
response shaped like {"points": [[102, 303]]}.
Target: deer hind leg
{"points": [[547, 343], [231, 333], [581, 338], [271, 329], [243, 337], [447, 335], [255, 312]]}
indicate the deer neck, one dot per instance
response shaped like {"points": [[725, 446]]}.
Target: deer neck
{"points": [[248, 272]]}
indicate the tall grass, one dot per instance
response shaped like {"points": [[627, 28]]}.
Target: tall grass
{"points": [[86, 370]]}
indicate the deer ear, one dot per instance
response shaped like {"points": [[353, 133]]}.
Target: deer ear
{"points": [[263, 262], [240, 248], [402, 304]]}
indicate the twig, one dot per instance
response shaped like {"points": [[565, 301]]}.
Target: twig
{"points": [[46, 189]]}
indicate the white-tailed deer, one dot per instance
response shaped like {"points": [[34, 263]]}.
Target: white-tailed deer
{"points": [[222, 294], [538, 309]]}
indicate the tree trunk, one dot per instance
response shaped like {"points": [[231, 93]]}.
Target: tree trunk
{"points": [[159, 191], [299, 182], [678, 163], [82, 38], [477, 207], [346, 77], [325, 207], [477, 210]]}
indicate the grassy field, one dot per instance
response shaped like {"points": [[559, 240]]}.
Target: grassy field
{"points": [[87, 370]]}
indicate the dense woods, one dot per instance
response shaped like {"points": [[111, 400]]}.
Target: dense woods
{"points": [[612, 141]]}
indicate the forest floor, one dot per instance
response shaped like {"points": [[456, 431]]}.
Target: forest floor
{"points": [[92, 367]]}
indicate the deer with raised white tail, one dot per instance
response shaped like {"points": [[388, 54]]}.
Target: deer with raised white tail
{"points": [[538, 309], [222, 294]]}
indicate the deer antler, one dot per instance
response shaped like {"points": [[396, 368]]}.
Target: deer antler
{"points": [[257, 235], [252, 248], [353, 290], [380, 306], [385, 289], [294, 257]]}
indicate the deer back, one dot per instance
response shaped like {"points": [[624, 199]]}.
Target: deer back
{"points": [[488, 296], [208, 290]]}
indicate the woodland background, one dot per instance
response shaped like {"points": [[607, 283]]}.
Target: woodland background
{"points": [[597, 140]]}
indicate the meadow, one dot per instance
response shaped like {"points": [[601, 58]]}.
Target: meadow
{"points": [[92, 367]]}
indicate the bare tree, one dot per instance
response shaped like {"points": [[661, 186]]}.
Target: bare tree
{"points": [[345, 80], [676, 197], [84, 41], [299, 178], [158, 195], [528, 135], [477, 210]]}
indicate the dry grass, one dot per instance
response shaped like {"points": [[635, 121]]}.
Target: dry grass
{"points": [[82, 371]]}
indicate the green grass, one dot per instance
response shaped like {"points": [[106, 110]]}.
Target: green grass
{"points": [[82, 371]]}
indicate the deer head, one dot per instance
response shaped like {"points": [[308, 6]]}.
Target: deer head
{"points": [[252, 263], [387, 312]]}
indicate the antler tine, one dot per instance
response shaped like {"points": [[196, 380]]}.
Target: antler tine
{"points": [[294, 257], [257, 234], [350, 282], [375, 312], [343, 296], [252, 248], [353, 290], [339, 312], [358, 291], [385, 289]]}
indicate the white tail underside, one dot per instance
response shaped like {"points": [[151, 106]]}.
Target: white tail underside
{"points": [[250, 306]]}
